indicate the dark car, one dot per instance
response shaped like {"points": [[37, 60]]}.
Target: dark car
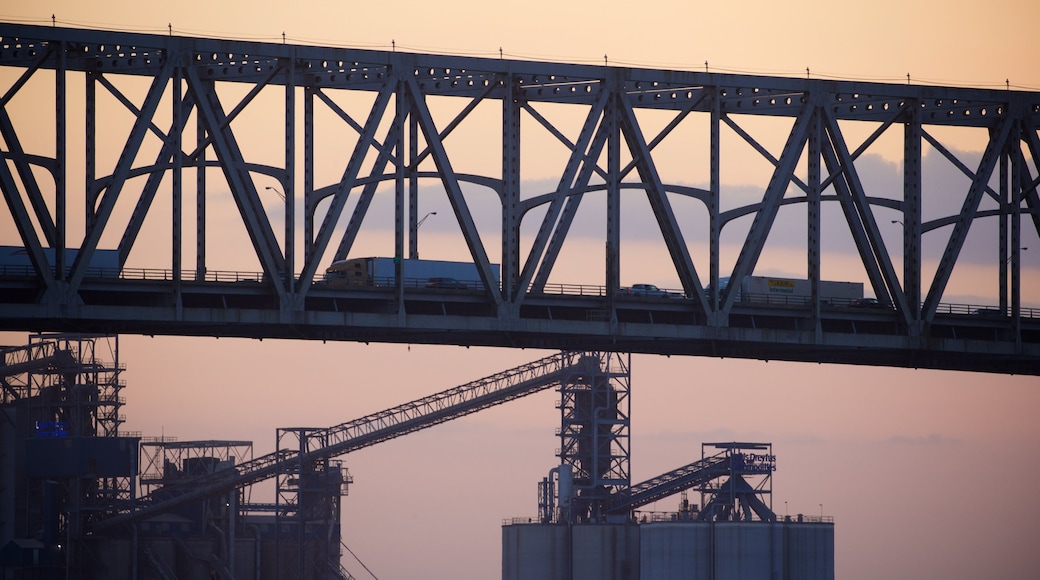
{"points": [[647, 290], [867, 303], [447, 283], [988, 313]]}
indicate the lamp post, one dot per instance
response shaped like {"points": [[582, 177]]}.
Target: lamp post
{"points": [[277, 192], [415, 235], [424, 218], [1012, 257]]}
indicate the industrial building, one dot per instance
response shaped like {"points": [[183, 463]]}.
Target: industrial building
{"points": [[81, 498], [68, 469], [589, 525]]}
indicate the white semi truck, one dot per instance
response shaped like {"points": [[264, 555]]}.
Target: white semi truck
{"points": [[793, 291], [415, 273]]}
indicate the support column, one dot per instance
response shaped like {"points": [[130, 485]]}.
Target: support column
{"points": [[412, 174], [1018, 165], [912, 211], [308, 175], [1003, 258], [200, 197], [176, 175], [401, 99], [290, 175], [60, 207], [714, 226], [510, 193], [613, 257], [813, 220]]}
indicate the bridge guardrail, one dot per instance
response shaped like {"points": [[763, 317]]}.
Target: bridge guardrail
{"points": [[560, 289]]}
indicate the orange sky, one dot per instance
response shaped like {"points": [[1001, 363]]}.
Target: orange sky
{"points": [[928, 474]]}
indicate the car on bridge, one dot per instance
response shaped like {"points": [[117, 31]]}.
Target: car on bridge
{"points": [[647, 291], [446, 283], [867, 303]]}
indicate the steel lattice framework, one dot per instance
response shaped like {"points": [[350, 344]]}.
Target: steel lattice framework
{"points": [[184, 130]]}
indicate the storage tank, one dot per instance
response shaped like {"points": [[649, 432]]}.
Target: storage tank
{"points": [[674, 550]]}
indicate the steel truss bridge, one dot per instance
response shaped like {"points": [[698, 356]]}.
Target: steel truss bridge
{"points": [[156, 190]]}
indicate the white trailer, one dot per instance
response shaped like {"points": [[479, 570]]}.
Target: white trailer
{"points": [[794, 291], [415, 273]]}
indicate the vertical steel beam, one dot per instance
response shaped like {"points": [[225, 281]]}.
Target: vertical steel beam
{"points": [[510, 268], [60, 162], [413, 187], [912, 179], [813, 217], [714, 186], [1002, 227], [177, 198], [402, 108], [90, 188], [611, 120], [289, 184], [1018, 168], [308, 180], [201, 140]]}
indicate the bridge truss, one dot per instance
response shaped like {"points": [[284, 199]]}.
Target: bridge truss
{"points": [[159, 119]]}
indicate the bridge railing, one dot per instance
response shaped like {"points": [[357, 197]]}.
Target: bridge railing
{"points": [[559, 289]]}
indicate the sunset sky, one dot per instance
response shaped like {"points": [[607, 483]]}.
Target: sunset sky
{"points": [[927, 474]]}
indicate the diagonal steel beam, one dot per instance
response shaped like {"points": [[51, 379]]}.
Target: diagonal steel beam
{"points": [[115, 92], [26, 231], [762, 150], [958, 163], [660, 205], [578, 154], [144, 203], [119, 175], [997, 143], [454, 191], [346, 183], [375, 178], [241, 106], [455, 122], [254, 218], [864, 219], [667, 130], [570, 209], [1032, 139], [763, 222], [22, 165]]}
